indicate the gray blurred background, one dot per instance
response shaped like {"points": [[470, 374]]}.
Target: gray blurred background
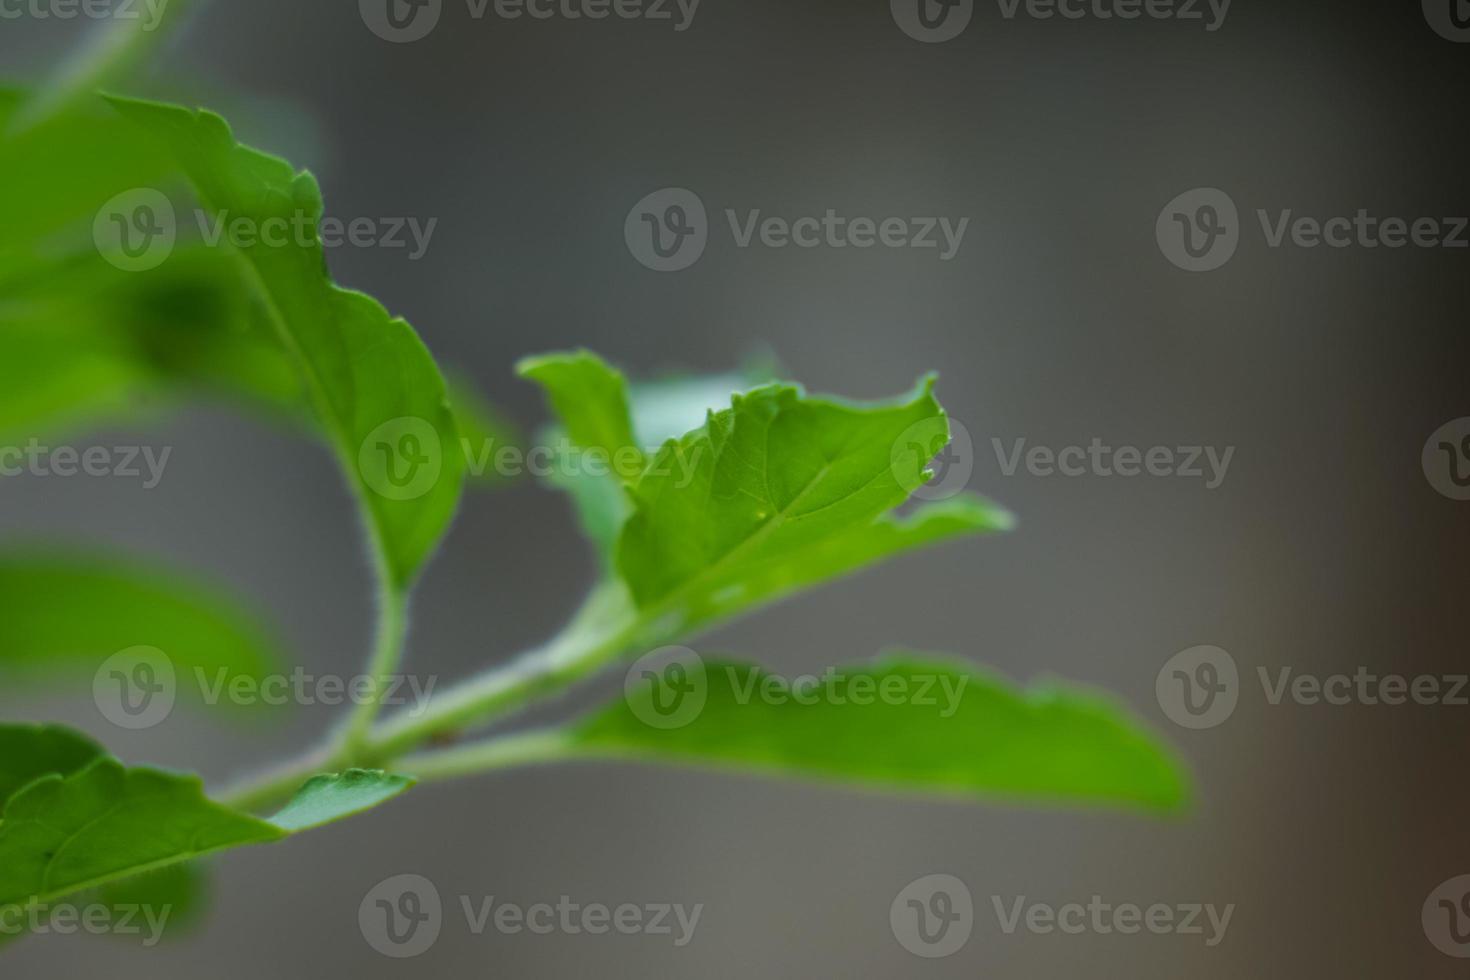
{"points": [[1325, 549]]}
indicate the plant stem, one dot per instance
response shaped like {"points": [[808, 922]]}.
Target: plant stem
{"points": [[277, 785], [522, 748], [587, 644], [600, 631], [392, 631]]}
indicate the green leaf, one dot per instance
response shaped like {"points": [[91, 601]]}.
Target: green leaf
{"points": [[591, 399], [64, 834], [53, 180], [944, 728], [98, 342], [669, 407], [779, 492], [325, 799], [29, 752], [67, 834], [374, 384], [599, 410], [66, 614], [772, 579]]}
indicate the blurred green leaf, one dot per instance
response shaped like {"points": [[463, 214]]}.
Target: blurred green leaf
{"points": [[66, 614], [374, 384], [482, 432], [906, 722], [60, 172], [591, 400], [99, 343], [177, 896]]}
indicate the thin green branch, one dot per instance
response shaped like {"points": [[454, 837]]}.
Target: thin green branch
{"points": [[392, 631], [521, 749]]}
